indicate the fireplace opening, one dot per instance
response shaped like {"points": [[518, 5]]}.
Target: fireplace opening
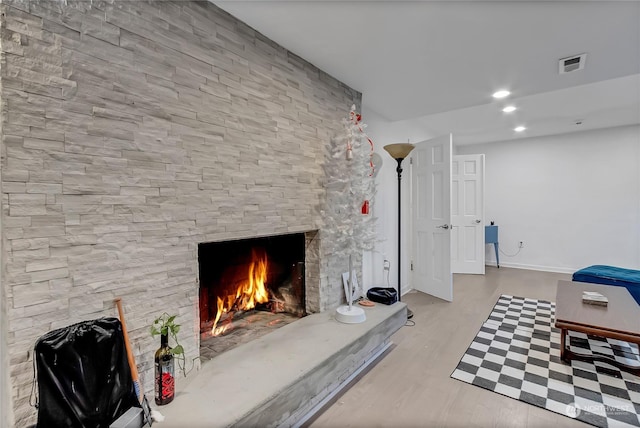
{"points": [[248, 288]]}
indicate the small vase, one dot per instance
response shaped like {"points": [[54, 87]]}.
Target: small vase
{"points": [[165, 385]]}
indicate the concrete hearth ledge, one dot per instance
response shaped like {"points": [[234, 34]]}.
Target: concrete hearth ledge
{"points": [[278, 378]]}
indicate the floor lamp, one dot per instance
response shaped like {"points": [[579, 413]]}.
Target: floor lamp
{"points": [[399, 152]]}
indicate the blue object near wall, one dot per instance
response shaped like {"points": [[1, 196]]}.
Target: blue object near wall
{"points": [[491, 237], [611, 275]]}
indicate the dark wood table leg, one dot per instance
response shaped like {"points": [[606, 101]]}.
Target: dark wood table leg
{"points": [[567, 356], [563, 345]]}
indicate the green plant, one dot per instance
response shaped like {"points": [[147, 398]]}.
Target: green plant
{"points": [[166, 324]]}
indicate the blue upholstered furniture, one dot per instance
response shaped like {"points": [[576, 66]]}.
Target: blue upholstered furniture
{"points": [[611, 275]]}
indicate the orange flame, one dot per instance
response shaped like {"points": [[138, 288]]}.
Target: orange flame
{"points": [[247, 295]]}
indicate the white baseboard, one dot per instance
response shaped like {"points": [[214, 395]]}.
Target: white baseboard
{"points": [[554, 269], [407, 290]]}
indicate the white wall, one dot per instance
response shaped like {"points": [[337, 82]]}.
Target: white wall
{"points": [[574, 199], [384, 132]]}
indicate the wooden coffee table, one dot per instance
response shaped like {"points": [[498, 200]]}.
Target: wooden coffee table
{"points": [[620, 319]]}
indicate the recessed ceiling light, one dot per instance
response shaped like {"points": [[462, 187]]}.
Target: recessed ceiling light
{"points": [[519, 128], [509, 109], [501, 94]]}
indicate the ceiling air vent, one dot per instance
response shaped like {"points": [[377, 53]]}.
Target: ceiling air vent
{"points": [[572, 63]]}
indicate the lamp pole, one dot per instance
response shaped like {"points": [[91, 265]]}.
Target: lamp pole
{"points": [[399, 171], [399, 152]]}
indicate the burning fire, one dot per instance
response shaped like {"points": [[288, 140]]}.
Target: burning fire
{"points": [[246, 296]]}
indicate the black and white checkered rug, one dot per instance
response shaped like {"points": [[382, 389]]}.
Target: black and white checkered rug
{"points": [[517, 353]]}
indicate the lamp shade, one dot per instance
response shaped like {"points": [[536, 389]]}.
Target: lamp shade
{"points": [[399, 150]]}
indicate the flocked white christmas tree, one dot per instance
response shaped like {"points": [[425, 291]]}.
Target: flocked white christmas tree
{"points": [[349, 224]]}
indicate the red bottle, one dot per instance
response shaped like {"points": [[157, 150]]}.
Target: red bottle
{"points": [[365, 207], [165, 386]]}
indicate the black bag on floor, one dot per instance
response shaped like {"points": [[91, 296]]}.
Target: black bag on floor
{"points": [[83, 375], [387, 296]]}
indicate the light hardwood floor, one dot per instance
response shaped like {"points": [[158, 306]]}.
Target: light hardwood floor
{"points": [[411, 386]]}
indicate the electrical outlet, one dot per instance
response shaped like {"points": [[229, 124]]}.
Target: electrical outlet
{"points": [[521, 244], [387, 265]]}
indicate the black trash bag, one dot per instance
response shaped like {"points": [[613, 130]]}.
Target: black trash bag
{"points": [[387, 296], [83, 375]]}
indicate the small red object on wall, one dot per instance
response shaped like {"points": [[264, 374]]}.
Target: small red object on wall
{"points": [[365, 207]]}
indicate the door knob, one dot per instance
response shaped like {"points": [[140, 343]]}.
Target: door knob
{"points": [[478, 221], [444, 226]]}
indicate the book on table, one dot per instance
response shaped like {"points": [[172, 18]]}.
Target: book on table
{"points": [[594, 298]]}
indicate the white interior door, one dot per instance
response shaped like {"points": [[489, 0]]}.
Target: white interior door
{"points": [[431, 217], [467, 214]]}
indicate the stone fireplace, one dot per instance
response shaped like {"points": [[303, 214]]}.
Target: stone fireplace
{"points": [[132, 133]]}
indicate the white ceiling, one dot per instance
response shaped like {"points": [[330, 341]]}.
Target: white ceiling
{"points": [[437, 63]]}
